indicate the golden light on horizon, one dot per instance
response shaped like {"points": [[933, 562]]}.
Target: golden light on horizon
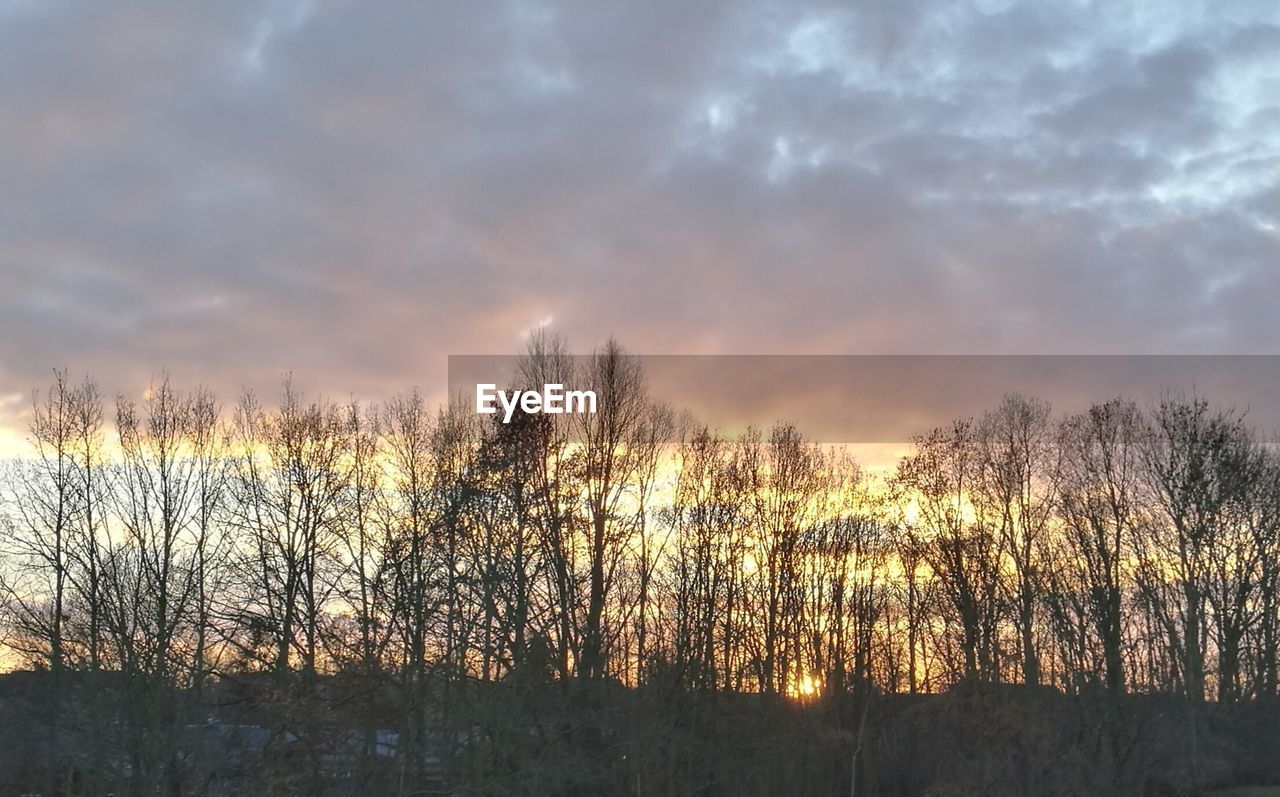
{"points": [[13, 444], [806, 687]]}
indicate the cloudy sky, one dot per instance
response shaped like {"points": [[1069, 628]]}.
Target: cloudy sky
{"points": [[352, 191]]}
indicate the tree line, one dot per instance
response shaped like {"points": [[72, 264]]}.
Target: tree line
{"points": [[174, 542]]}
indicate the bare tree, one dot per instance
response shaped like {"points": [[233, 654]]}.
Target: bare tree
{"points": [[49, 549], [939, 475], [1195, 462], [1263, 520], [615, 451], [1101, 506], [1017, 493], [785, 481], [703, 577], [45, 499], [557, 511], [288, 484]]}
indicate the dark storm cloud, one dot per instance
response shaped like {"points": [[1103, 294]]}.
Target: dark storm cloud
{"points": [[351, 191]]}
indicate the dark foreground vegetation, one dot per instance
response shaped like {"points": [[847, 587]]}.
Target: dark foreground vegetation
{"points": [[311, 598], [340, 736]]}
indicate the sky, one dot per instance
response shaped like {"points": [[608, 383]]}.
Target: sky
{"points": [[351, 191]]}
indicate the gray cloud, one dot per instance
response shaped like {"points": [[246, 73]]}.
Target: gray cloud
{"points": [[236, 190]]}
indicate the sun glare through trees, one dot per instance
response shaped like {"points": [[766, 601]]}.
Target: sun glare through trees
{"points": [[457, 564]]}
